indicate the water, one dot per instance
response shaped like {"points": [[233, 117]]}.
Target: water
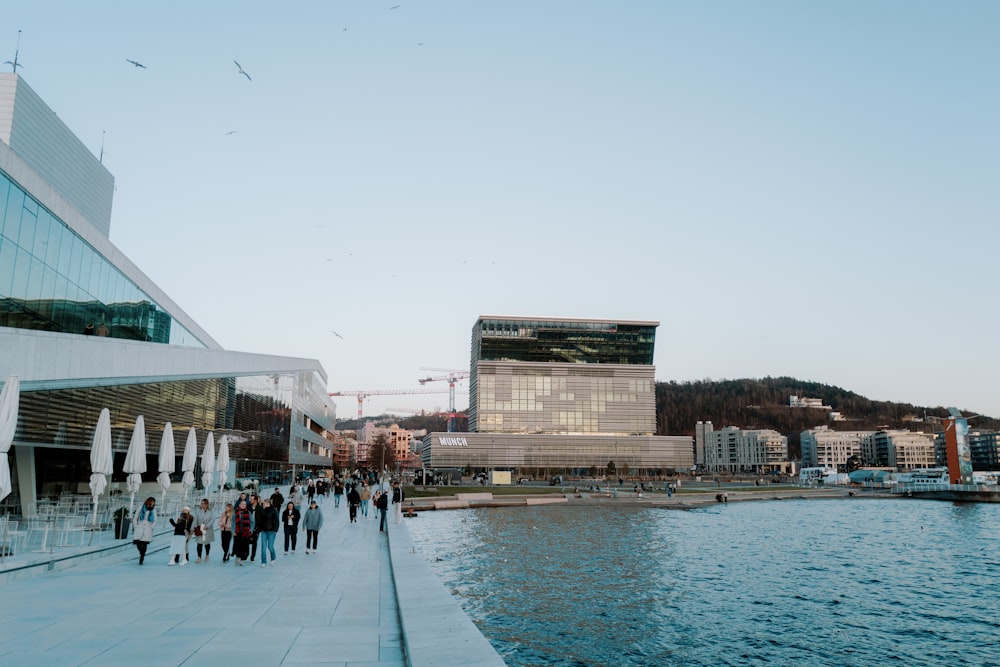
{"points": [[795, 582]]}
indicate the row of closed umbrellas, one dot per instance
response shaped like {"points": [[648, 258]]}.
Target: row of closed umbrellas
{"points": [[135, 459]]}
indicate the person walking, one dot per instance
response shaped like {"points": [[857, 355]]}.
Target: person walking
{"points": [[144, 521], [255, 508], [338, 491], [295, 495], [277, 500], [178, 543], [226, 530], [382, 503], [290, 520], [311, 490], [242, 532], [312, 522], [204, 528], [353, 501], [397, 501], [267, 528], [366, 495]]}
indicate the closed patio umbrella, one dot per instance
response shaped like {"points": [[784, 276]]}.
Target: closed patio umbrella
{"points": [[100, 457], [135, 460], [188, 461], [208, 462], [222, 462], [167, 463], [8, 424]]}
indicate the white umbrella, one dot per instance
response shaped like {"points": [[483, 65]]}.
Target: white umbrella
{"points": [[208, 462], [222, 462], [167, 462], [190, 458], [8, 424], [100, 457], [135, 460]]}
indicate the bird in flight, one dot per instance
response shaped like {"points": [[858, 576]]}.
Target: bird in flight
{"points": [[231, 132], [240, 68], [394, 7], [336, 334], [136, 63]]}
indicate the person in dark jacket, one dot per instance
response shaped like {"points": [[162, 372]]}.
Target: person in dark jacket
{"points": [[353, 501], [397, 501], [267, 528], [290, 521], [382, 503], [182, 531], [277, 500], [242, 532], [255, 508]]}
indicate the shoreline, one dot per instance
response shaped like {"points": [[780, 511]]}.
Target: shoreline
{"points": [[680, 501]]}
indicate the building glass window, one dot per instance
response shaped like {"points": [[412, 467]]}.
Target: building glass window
{"points": [[52, 280]]}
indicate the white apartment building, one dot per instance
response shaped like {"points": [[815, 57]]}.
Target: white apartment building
{"points": [[823, 447], [899, 449], [734, 450]]}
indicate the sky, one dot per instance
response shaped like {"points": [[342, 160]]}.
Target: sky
{"points": [[803, 189]]}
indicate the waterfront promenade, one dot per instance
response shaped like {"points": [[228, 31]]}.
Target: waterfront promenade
{"points": [[341, 606]]}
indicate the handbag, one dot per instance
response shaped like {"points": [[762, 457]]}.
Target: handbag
{"points": [[197, 531]]}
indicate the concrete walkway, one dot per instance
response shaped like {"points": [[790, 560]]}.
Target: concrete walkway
{"points": [[337, 607]]}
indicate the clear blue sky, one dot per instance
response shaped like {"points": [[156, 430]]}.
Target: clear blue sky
{"points": [[791, 188]]}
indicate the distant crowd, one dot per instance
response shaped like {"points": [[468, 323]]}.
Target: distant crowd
{"points": [[253, 522]]}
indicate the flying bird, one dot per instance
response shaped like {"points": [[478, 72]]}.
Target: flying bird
{"points": [[336, 334], [231, 132], [394, 7], [240, 68], [136, 63]]}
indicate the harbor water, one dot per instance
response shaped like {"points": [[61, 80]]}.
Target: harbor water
{"points": [[794, 582]]}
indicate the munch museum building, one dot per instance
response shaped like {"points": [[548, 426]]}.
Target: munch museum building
{"points": [[557, 394], [84, 329]]}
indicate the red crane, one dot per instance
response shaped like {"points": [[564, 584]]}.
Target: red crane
{"points": [[452, 377]]}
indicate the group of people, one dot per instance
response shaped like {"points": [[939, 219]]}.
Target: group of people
{"points": [[251, 522], [242, 526]]}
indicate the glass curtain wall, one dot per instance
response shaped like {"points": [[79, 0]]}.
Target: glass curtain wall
{"points": [[52, 280]]}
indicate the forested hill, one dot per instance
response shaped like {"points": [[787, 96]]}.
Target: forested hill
{"points": [[763, 403]]}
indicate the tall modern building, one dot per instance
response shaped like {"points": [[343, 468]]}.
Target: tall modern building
{"points": [[560, 393], [84, 329]]}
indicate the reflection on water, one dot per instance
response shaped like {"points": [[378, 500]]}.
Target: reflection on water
{"points": [[818, 582]]}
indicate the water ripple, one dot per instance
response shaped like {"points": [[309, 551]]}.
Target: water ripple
{"points": [[851, 582]]}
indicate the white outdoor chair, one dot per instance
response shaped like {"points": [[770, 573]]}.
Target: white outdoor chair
{"points": [[11, 539]]}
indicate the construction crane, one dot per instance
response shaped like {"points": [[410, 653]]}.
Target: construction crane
{"points": [[452, 377], [407, 411], [363, 394]]}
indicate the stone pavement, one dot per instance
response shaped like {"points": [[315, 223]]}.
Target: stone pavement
{"points": [[336, 607]]}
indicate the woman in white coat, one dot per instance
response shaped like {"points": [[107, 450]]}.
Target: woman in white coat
{"points": [[204, 532], [143, 522]]}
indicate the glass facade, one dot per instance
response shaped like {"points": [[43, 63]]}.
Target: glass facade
{"points": [[53, 280], [541, 454], [562, 376], [268, 419], [564, 341]]}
